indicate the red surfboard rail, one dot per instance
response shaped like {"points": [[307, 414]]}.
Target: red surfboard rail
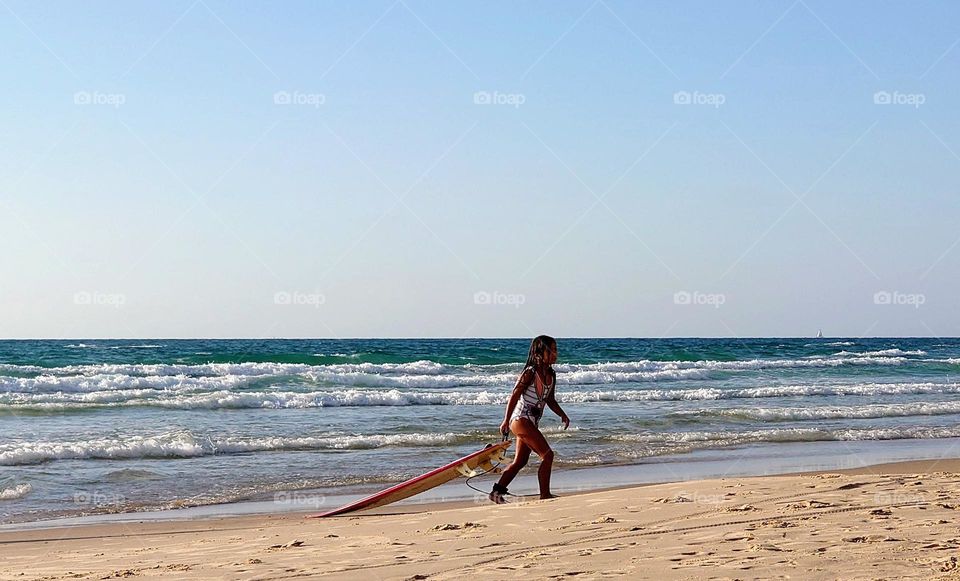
{"points": [[423, 482]]}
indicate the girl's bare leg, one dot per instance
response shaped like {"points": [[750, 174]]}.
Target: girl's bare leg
{"points": [[530, 436], [519, 461]]}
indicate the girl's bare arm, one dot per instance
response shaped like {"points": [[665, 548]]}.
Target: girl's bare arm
{"points": [[522, 382], [554, 405]]}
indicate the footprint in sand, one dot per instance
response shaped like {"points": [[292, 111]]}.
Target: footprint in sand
{"points": [[297, 543], [809, 504], [939, 546], [742, 508], [852, 485], [456, 527], [678, 498], [869, 539], [737, 537], [777, 524], [179, 567], [768, 547]]}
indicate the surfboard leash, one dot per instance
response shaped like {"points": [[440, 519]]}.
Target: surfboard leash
{"points": [[485, 472]]}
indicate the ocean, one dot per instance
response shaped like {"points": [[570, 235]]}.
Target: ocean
{"points": [[112, 426]]}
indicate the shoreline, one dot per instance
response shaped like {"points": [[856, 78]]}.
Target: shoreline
{"points": [[743, 462], [411, 506], [833, 519]]}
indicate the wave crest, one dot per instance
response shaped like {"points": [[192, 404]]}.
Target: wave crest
{"points": [[183, 444]]}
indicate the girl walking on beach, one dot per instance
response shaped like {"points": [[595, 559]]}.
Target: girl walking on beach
{"points": [[535, 389]]}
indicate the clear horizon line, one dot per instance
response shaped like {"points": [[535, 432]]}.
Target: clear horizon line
{"points": [[462, 338]]}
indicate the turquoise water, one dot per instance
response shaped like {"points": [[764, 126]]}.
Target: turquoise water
{"points": [[106, 426]]}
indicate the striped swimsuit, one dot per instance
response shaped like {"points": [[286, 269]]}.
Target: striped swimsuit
{"points": [[531, 403]]}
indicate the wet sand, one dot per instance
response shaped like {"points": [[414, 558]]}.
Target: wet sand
{"points": [[891, 521]]}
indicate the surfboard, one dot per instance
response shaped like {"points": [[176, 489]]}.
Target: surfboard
{"points": [[467, 466]]}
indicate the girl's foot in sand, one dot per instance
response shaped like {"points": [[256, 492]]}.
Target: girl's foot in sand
{"points": [[496, 495], [548, 496]]}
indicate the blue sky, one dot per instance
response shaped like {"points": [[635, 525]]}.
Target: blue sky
{"points": [[408, 169]]}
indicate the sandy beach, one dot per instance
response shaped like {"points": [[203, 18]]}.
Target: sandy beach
{"points": [[691, 267], [890, 521]]}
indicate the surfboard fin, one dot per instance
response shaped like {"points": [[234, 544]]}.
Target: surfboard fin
{"points": [[466, 471]]}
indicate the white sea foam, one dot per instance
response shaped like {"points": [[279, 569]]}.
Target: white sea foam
{"points": [[832, 412], [184, 444], [276, 399], [744, 365], [418, 374], [15, 492], [725, 437], [212, 378], [881, 353], [424, 367], [82, 383], [860, 389]]}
